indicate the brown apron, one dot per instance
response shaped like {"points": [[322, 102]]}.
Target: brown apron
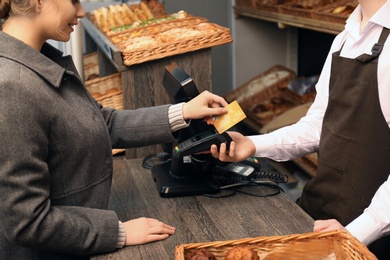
{"points": [[354, 150]]}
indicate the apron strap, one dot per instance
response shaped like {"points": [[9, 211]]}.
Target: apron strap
{"points": [[377, 48]]}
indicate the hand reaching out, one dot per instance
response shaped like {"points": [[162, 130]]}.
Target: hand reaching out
{"points": [[204, 105], [146, 230], [240, 149]]}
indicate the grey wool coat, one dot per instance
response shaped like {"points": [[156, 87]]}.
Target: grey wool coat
{"points": [[55, 156]]}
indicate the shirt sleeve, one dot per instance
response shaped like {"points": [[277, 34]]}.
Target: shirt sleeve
{"points": [[375, 220]]}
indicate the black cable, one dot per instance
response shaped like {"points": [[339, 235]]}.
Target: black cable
{"points": [[223, 195], [233, 190], [274, 176], [270, 185], [161, 158]]}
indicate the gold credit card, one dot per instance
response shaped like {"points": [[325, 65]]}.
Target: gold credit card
{"points": [[232, 117]]}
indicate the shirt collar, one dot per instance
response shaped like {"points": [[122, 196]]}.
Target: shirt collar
{"points": [[379, 18], [382, 16]]}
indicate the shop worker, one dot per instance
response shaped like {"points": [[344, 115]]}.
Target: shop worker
{"points": [[348, 125], [56, 142]]}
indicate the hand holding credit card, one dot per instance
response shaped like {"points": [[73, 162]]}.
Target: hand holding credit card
{"points": [[232, 117]]}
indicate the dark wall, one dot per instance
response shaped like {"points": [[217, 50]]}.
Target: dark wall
{"points": [[313, 47]]}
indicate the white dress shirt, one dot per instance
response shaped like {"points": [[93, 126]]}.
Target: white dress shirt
{"points": [[303, 137]]}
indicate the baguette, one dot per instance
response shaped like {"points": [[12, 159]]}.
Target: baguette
{"points": [[123, 14]]}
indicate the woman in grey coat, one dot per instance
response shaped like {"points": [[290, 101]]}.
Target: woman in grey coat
{"points": [[56, 141]]}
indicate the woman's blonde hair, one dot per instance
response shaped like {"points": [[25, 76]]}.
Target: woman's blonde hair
{"points": [[10, 8], [16, 7]]}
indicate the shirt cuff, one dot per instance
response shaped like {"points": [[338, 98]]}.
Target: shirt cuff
{"points": [[175, 116], [121, 236], [365, 229]]}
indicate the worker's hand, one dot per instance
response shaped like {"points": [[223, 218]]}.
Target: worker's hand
{"points": [[204, 105], [145, 230], [327, 225], [240, 149]]}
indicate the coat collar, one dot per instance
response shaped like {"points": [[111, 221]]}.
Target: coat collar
{"points": [[45, 63]]}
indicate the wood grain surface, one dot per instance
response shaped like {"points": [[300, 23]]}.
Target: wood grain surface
{"points": [[198, 218]]}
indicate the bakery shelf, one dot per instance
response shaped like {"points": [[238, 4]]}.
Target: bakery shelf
{"points": [[106, 46], [290, 20]]}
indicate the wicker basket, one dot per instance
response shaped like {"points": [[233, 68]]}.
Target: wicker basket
{"points": [[221, 35], [326, 13], [263, 89], [295, 8], [315, 245], [101, 88], [90, 58], [270, 6], [261, 86], [91, 66], [245, 3], [120, 36]]}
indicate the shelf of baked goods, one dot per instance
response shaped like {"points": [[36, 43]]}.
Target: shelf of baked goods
{"points": [[326, 16], [131, 34]]}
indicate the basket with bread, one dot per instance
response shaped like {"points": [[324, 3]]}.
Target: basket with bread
{"points": [[244, 3], [144, 32], [266, 95], [304, 8], [270, 5], [332, 245], [337, 12]]}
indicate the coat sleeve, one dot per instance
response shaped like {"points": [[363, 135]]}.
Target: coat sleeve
{"points": [[138, 127], [27, 215]]}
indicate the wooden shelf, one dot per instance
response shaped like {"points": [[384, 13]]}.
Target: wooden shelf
{"points": [[290, 20]]}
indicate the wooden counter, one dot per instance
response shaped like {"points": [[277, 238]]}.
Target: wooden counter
{"points": [[197, 218]]}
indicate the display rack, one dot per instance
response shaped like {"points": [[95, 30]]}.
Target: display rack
{"points": [[290, 20], [105, 45]]}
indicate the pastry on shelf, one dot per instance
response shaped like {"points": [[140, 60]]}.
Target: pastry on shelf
{"points": [[345, 9]]}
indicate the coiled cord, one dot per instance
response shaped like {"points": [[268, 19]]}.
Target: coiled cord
{"points": [[273, 176]]}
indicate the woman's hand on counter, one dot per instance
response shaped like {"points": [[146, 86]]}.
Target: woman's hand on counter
{"points": [[145, 230]]}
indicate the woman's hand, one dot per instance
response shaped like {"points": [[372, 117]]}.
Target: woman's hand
{"points": [[327, 225], [240, 149], [145, 230], [203, 105]]}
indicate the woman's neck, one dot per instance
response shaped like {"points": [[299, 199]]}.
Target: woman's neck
{"points": [[22, 29]]}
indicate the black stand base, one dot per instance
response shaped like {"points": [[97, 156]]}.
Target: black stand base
{"points": [[170, 185]]}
